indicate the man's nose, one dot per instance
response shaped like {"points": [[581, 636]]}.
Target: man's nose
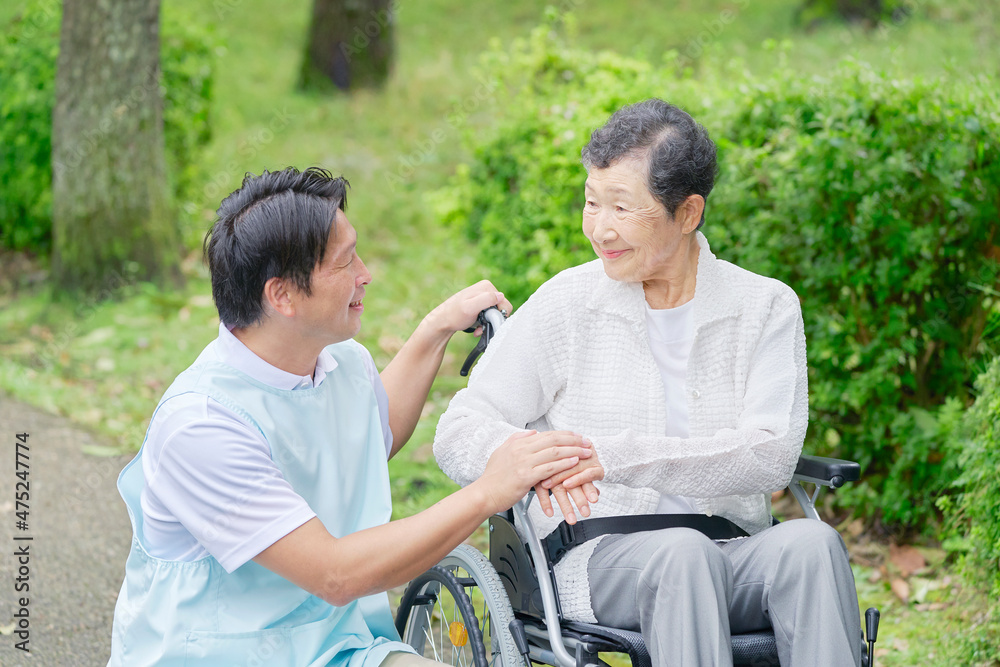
{"points": [[365, 277]]}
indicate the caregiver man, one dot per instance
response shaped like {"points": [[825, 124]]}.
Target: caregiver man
{"points": [[260, 499]]}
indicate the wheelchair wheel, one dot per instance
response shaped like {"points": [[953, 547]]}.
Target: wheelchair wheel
{"points": [[458, 613]]}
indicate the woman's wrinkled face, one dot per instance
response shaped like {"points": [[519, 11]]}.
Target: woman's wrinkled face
{"points": [[629, 229]]}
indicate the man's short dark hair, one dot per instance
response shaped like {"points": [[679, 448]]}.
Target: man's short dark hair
{"points": [[679, 154], [275, 225]]}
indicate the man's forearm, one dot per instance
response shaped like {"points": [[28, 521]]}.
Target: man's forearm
{"points": [[340, 570], [376, 559], [390, 555]]}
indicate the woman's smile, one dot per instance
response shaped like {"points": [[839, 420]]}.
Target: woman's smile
{"points": [[613, 254]]}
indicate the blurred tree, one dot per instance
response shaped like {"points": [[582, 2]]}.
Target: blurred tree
{"points": [[111, 214], [350, 44], [866, 12]]}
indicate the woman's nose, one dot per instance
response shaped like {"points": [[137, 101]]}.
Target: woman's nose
{"points": [[604, 232]]}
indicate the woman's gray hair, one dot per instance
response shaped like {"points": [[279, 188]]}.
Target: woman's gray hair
{"points": [[679, 154]]}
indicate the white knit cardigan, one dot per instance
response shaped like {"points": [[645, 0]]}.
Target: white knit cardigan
{"points": [[576, 357]]}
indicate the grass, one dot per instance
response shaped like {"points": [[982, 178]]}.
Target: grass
{"points": [[105, 364]]}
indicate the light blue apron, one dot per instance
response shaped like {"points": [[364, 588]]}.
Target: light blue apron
{"points": [[328, 443]]}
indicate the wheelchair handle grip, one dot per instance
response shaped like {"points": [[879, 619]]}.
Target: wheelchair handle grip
{"points": [[490, 320], [871, 632], [871, 623], [494, 317]]}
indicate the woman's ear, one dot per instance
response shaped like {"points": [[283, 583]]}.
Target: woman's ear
{"points": [[689, 213], [280, 296]]}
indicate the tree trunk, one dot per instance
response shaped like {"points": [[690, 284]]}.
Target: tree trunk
{"points": [[350, 44], [867, 12], [111, 217]]}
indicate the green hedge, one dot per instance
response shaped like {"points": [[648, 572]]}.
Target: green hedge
{"points": [[974, 513], [29, 47], [876, 199]]}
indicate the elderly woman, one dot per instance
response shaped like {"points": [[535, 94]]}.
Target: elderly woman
{"points": [[688, 374]]}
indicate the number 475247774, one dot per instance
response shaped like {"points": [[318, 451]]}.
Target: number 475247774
{"points": [[22, 465]]}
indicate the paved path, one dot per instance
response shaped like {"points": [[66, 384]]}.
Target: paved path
{"points": [[81, 535]]}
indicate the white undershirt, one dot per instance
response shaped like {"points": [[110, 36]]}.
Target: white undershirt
{"points": [[200, 461], [671, 333]]}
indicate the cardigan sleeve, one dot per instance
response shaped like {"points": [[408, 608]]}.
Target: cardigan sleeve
{"points": [[759, 455], [512, 385]]}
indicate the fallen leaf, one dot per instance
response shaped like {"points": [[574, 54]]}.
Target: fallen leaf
{"points": [[101, 450], [928, 590], [901, 589], [906, 559]]}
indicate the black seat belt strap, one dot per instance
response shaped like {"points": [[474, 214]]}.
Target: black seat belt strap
{"points": [[567, 536]]}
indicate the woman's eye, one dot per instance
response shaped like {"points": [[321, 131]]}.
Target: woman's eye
{"points": [[619, 209]]}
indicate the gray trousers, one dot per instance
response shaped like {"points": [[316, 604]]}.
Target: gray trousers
{"points": [[686, 593]]}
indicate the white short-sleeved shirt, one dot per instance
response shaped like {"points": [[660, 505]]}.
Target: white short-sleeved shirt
{"points": [[201, 460], [671, 334]]}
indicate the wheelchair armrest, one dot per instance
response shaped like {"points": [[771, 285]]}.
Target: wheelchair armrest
{"points": [[825, 471]]}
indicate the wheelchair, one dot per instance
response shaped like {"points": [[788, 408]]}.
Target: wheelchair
{"points": [[503, 610]]}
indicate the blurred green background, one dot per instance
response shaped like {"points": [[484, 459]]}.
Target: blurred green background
{"points": [[470, 89]]}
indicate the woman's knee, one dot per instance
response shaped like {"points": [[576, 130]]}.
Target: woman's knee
{"points": [[681, 550], [806, 540], [816, 532]]}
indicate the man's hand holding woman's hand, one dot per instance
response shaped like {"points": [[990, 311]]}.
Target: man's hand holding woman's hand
{"points": [[527, 459], [576, 483]]}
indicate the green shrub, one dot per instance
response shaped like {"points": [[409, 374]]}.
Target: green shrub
{"points": [[974, 513], [186, 57], [28, 50], [29, 47], [874, 198]]}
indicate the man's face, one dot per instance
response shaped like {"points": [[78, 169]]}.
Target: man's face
{"points": [[332, 312]]}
